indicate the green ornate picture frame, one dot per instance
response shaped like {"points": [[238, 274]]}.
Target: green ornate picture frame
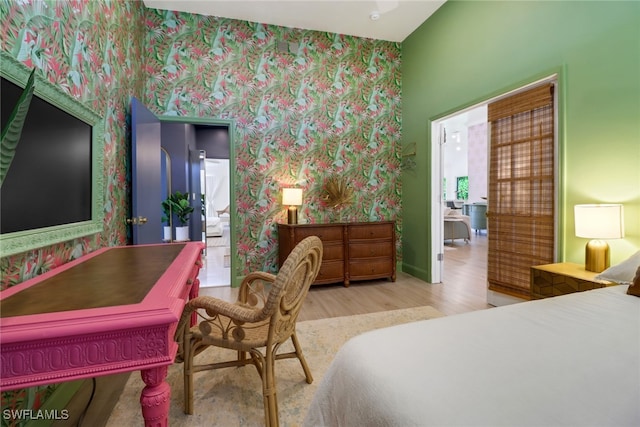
{"points": [[22, 241]]}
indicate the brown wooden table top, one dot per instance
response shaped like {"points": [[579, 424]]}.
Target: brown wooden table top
{"points": [[118, 276]]}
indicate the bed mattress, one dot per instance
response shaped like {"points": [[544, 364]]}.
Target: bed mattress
{"points": [[572, 360]]}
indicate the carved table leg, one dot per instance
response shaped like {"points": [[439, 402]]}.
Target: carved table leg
{"points": [[156, 397]]}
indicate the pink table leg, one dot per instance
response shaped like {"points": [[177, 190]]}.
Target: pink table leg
{"points": [[156, 397]]}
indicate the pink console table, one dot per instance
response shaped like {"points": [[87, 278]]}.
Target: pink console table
{"points": [[114, 310]]}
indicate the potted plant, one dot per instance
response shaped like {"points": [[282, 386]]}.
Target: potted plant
{"points": [[181, 207], [166, 218]]}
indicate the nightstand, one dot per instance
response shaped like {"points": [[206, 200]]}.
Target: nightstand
{"points": [[550, 280]]}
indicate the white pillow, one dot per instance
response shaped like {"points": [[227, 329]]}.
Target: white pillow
{"points": [[622, 273]]}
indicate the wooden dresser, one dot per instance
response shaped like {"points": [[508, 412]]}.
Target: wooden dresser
{"points": [[351, 251]]}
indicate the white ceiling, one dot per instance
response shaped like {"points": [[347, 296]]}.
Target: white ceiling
{"points": [[397, 18]]}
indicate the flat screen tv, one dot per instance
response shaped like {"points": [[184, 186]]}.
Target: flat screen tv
{"points": [[52, 191]]}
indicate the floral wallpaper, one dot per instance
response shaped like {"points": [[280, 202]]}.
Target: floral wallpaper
{"points": [[329, 106], [91, 50], [326, 104]]}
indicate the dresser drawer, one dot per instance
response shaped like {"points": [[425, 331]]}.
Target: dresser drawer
{"points": [[371, 231], [330, 272], [324, 233], [332, 251], [369, 250], [378, 267], [351, 251]]}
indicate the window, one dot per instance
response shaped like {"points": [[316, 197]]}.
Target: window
{"points": [[462, 187], [444, 188]]}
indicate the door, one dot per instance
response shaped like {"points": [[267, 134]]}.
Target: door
{"points": [[146, 193], [521, 214]]}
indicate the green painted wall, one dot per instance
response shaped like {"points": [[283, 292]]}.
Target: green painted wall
{"points": [[469, 51]]}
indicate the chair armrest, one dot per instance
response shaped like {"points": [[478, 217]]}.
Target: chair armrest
{"points": [[214, 306]]}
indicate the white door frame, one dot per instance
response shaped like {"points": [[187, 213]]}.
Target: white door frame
{"points": [[437, 139], [437, 220]]}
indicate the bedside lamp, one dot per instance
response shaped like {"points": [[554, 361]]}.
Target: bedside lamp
{"points": [[292, 197], [600, 221]]}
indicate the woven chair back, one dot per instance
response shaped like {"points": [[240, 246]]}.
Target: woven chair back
{"points": [[291, 286]]}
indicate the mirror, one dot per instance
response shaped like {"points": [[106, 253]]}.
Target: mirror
{"points": [[53, 190]]}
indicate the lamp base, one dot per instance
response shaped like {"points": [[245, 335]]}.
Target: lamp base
{"points": [[292, 215], [596, 256]]}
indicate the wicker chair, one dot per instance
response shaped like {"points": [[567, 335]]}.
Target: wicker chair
{"points": [[258, 323]]}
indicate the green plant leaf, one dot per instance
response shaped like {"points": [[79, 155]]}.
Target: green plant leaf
{"points": [[12, 131], [167, 207], [181, 206]]}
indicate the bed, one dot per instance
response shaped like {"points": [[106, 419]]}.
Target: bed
{"points": [[572, 360]]}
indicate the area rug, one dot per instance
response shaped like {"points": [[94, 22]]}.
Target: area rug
{"points": [[233, 396]]}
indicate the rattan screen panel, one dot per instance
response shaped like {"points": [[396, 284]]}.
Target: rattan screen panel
{"points": [[521, 227]]}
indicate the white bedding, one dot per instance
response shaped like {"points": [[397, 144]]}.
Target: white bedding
{"points": [[214, 226], [572, 360]]}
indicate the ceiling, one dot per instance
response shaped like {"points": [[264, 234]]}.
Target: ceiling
{"points": [[396, 18]]}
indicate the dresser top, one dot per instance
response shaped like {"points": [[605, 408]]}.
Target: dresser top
{"points": [[570, 269], [333, 224]]}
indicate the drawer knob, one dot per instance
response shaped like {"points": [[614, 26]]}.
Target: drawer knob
{"points": [[189, 281]]}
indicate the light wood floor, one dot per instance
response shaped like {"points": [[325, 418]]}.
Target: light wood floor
{"points": [[463, 288]]}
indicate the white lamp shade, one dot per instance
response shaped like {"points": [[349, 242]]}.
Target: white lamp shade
{"points": [[599, 221], [292, 196]]}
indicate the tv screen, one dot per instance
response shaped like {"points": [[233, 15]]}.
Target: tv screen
{"points": [[49, 181]]}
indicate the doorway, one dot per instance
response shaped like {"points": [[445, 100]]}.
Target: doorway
{"points": [[213, 144], [460, 162], [213, 138], [178, 135], [526, 145], [216, 219]]}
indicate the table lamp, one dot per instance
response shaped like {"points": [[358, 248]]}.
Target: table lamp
{"points": [[292, 197], [598, 221]]}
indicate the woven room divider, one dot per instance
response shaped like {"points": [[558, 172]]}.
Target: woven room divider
{"points": [[521, 227]]}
